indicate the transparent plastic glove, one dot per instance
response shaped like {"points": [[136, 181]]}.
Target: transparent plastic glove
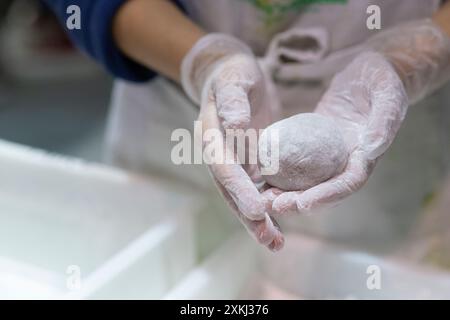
{"points": [[420, 53], [221, 74], [369, 101]]}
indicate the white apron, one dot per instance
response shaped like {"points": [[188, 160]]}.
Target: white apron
{"points": [[143, 116]]}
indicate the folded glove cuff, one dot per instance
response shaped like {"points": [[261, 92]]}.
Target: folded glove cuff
{"points": [[199, 63]]}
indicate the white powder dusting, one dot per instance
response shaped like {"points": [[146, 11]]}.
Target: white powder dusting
{"points": [[311, 150]]}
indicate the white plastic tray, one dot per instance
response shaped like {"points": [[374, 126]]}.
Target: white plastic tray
{"points": [[224, 275], [130, 237], [307, 269]]}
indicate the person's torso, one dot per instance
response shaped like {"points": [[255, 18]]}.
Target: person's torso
{"points": [[257, 21]]}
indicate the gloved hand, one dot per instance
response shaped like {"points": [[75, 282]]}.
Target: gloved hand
{"points": [[221, 75], [369, 100]]}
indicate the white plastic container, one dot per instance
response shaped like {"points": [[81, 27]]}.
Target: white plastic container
{"points": [[126, 236], [308, 269], [223, 275], [319, 270]]}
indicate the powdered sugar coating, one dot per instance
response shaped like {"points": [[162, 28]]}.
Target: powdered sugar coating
{"points": [[311, 150]]}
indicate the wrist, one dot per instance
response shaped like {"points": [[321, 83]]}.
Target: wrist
{"points": [[137, 30], [442, 18], [203, 58]]}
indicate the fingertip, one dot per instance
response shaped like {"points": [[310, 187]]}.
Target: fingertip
{"points": [[277, 244], [303, 207], [266, 231], [269, 197], [284, 204]]}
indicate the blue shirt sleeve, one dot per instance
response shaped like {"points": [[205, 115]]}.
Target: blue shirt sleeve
{"points": [[95, 36]]}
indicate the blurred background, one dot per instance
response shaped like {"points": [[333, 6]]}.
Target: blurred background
{"points": [[73, 227], [51, 96]]}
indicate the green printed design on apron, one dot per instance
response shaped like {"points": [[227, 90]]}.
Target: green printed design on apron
{"points": [[274, 10]]}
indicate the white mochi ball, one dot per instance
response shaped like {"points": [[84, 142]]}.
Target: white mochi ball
{"points": [[311, 150]]}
